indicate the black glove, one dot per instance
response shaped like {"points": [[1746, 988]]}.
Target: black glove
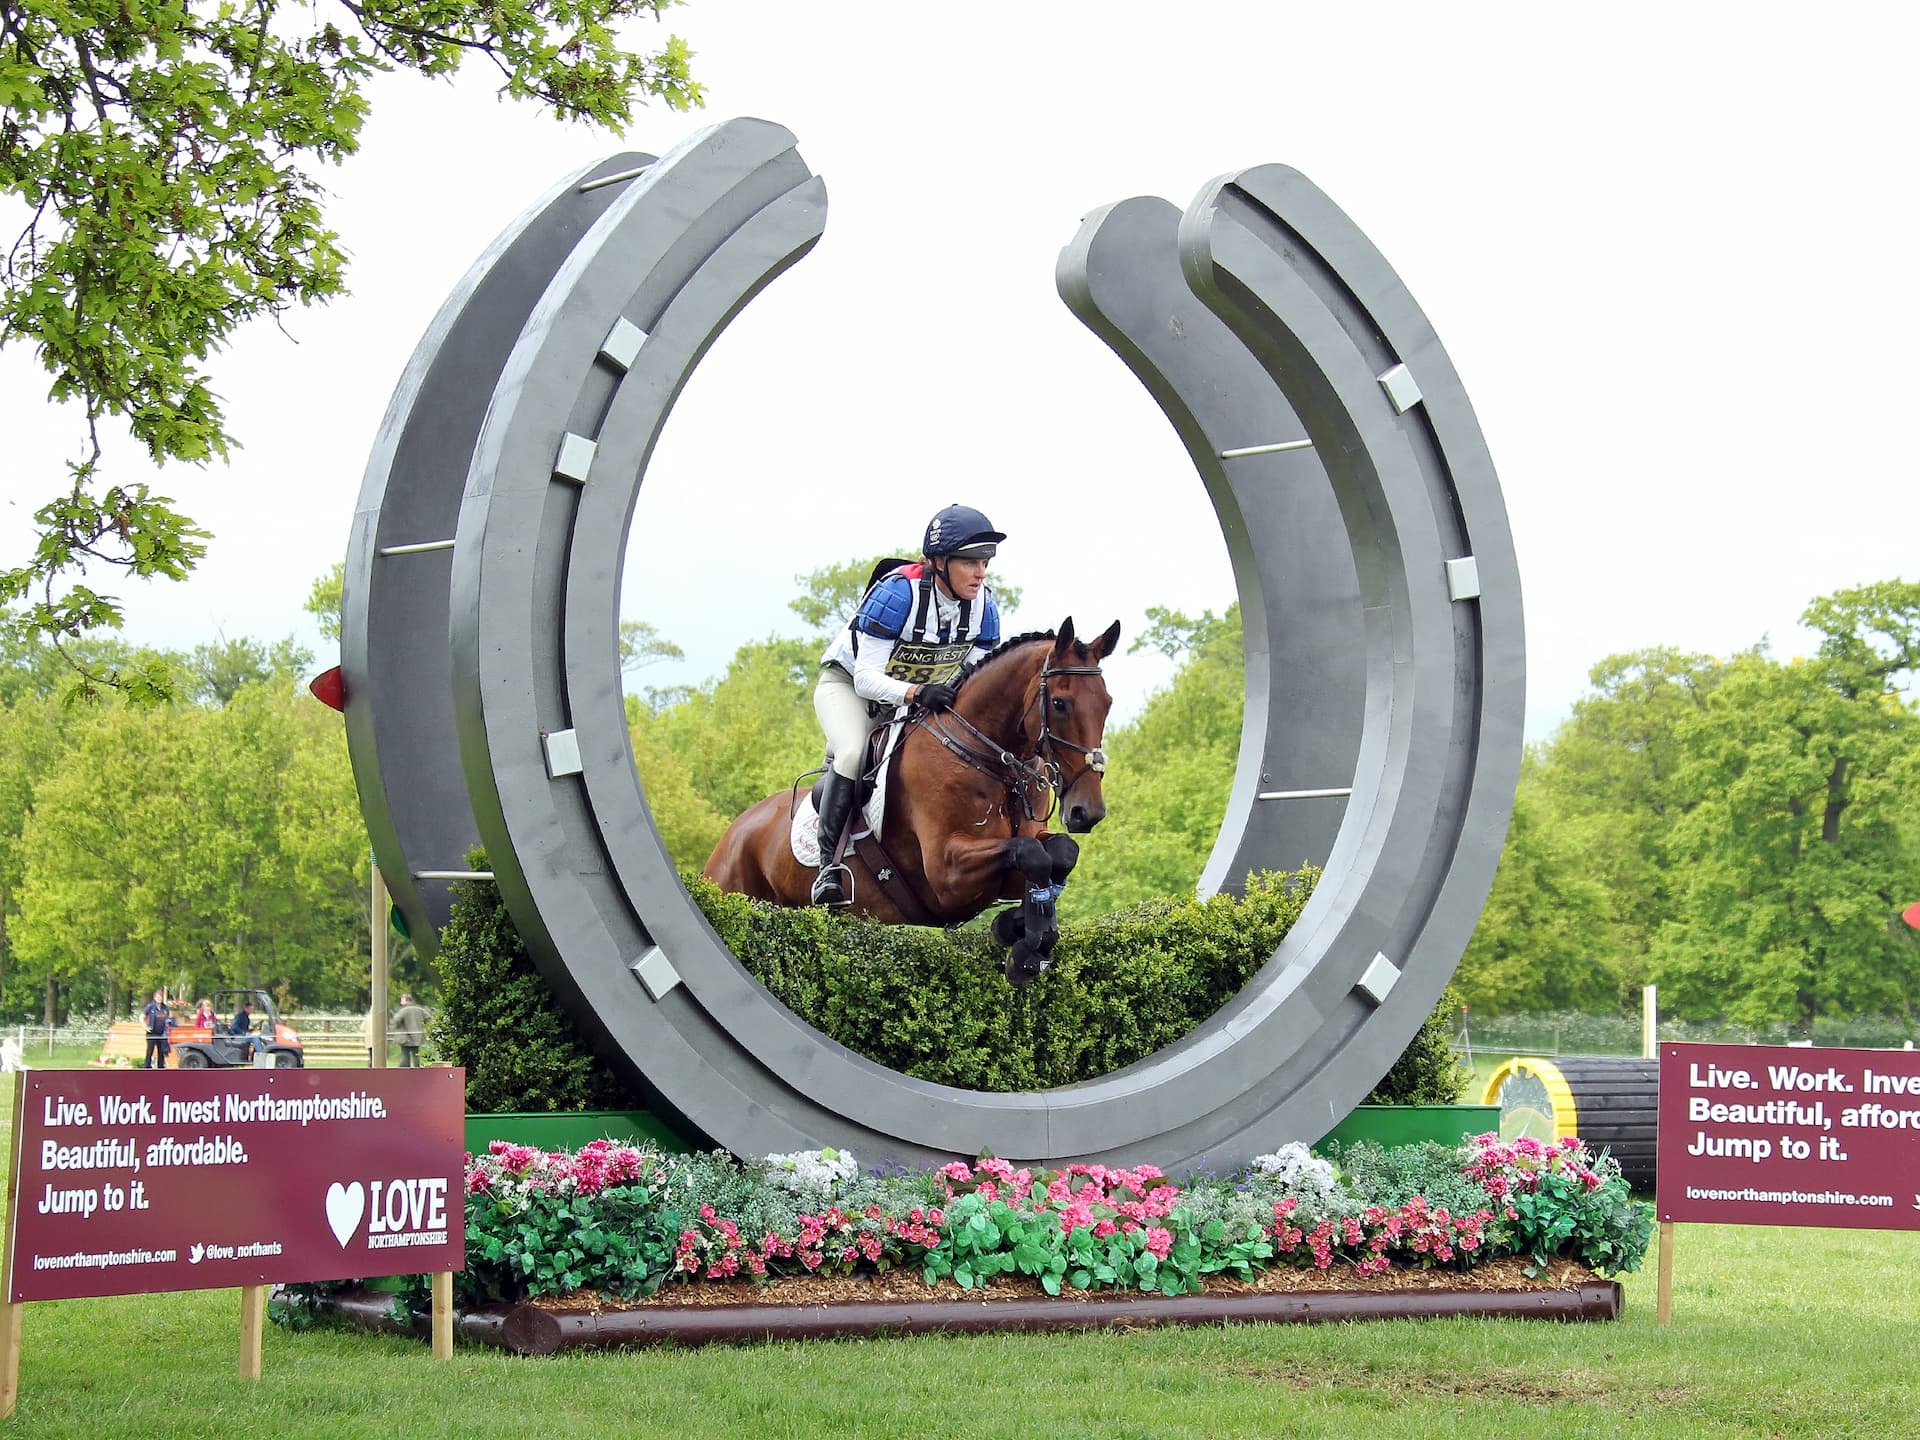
{"points": [[935, 697]]}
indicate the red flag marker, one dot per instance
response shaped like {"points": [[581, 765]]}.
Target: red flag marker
{"points": [[1912, 914], [329, 689]]}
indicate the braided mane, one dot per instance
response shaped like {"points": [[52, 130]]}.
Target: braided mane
{"points": [[1017, 641]]}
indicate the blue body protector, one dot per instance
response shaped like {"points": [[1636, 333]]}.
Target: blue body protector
{"points": [[901, 609], [890, 607]]}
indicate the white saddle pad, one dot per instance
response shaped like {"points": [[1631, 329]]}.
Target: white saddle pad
{"points": [[805, 833]]}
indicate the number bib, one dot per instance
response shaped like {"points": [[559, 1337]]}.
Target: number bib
{"points": [[928, 663]]}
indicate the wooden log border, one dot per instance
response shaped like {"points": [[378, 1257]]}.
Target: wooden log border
{"points": [[532, 1330]]}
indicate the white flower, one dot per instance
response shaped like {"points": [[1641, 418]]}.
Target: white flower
{"points": [[1297, 1168], [812, 1172]]}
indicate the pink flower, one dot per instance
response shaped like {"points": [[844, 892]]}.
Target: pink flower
{"points": [[1159, 1242]]}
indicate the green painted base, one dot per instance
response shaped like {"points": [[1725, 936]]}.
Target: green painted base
{"points": [[569, 1130], [1410, 1124]]}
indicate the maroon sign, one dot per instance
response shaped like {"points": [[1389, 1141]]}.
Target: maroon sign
{"points": [[1776, 1135], [139, 1181]]}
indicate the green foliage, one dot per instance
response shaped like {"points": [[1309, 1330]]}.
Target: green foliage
{"points": [[1428, 1071], [1603, 1227], [497, 1017], [747, 734], [326, 600], [641, 644], [187, 846], [1794, 849], [162, 156], [689, 825], [1547, 917], [1391, 1176], [1744, 832], [1169, 773], [927, 1003], [936, 1006], [555, 1242]]}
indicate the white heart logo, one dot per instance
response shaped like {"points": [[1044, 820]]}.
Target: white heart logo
{"points": [[345, 1205]]}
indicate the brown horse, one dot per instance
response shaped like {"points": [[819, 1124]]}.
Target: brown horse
{"points": [[969, 796]]}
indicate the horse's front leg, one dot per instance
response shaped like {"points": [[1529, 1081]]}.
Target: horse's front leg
{"points": [[1036, 914], [972, 871], [1063, 853]]}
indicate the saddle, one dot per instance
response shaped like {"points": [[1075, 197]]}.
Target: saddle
{"points": [[883, 744]]}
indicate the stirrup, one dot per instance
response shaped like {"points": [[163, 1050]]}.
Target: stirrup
{"points": [[833, 886]]}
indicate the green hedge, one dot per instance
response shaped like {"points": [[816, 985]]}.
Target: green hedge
{"points": [[933, 1004], [498, 1018]]}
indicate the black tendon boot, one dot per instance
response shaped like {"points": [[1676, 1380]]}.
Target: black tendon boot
{"points": [[832, 884]]}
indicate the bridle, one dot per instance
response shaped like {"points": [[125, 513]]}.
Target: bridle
{"points": [[1096, 762], [1020, 775]]}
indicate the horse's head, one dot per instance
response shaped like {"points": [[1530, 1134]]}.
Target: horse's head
{"points": [[1067, 720]]}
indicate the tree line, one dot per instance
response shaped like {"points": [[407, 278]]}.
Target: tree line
{"points": [[211, 841], [1741, 830]]}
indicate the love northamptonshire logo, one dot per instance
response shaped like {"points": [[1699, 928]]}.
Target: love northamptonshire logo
{"points": [[397, 1212]]}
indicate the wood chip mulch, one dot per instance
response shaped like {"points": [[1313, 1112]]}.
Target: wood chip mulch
{"points": [[906, 1287]]}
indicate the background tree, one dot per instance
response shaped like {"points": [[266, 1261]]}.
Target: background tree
{"points": [[33, 733], [192, 846], [1546, 939], [164, 156], [1606, 790], [750, 732], [325, 600], [1170, 771], [642, 645], [1790, 861]]}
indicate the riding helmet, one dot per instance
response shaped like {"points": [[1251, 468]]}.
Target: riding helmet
{"points": [[961, 530]]}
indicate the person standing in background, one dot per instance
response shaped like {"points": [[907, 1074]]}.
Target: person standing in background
{"points": [[159, 1018], [410, 1029]]}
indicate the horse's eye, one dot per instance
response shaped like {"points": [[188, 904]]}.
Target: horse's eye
{"points": [[1059, 706]]}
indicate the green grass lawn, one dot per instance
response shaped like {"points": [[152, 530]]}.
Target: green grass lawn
{"points": [[60, 1055], [1791, 1333]]}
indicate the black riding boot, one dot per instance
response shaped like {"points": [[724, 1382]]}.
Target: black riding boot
{"points": [[832, 884]]}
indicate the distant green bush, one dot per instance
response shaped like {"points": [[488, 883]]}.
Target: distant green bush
{"points": [[932, 1004], [1429, 1071]]}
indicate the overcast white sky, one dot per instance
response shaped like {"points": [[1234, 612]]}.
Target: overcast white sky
{"points": [[1669, 248]]}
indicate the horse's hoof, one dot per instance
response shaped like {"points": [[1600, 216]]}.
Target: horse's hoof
{"points": [[1023, 965]]}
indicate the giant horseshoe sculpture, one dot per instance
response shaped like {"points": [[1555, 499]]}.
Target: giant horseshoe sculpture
{"points": [[1368, 538]]}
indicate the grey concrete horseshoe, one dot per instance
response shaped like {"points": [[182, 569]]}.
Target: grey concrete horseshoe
{"points": [[393, 632], [1403, 691]]}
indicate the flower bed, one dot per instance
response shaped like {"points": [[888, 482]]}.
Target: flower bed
{"points": [[612, 1229]]}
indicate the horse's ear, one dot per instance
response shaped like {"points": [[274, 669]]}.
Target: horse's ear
{"points": [[1063, 643], [1109, 638]]}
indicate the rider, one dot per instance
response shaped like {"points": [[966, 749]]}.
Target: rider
{"points": [[917, 634]]}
